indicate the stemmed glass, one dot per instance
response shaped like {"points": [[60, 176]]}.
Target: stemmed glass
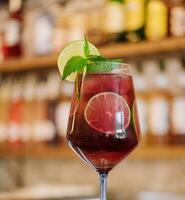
{"points": [[103, 125]]}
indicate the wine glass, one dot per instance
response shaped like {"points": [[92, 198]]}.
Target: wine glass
{"points": [[103, 125]]}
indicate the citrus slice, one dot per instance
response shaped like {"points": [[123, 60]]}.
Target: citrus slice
{"points": [[107, 112], [75, 48]]}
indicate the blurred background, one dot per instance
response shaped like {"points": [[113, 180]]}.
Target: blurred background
{"points": [[35, 162]]}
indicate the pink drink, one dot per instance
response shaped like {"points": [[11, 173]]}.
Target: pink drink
{"points": [[103, 125]]}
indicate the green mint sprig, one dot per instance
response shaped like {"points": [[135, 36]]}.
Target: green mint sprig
{"points": [[92, 63], [74, 64]]}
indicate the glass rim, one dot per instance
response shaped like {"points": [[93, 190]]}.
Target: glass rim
{"points": [[122, 68], [114, 62]]}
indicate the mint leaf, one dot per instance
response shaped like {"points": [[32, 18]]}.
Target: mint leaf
{"points": [[86, 47], [95, 58], [101, 66], [74, 64]]}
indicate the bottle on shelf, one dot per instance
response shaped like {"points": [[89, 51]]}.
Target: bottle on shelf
{"points": [[156, 27], [135, 15], [15, 113], [62, 115], [51, 109], [177, 18], [113, 20], [159, 105], [173, 67], [43, 32], [53, 85], [12, 36], [63, 107], [29, 88], [31, 12], [44, 130], [178, 109]]}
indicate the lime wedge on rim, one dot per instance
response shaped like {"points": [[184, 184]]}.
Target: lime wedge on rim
{"points": [[75, 48]]}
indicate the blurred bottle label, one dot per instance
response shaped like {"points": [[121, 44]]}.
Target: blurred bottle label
{"points": [[159, 116], [62, 115], [25, 132], [135, 14], [114, 17], [156, 23], [44, 130], [14, 132], [12, 32], [177, 21], [43, 29], [53, 85], [143, 110], [178, 118]]}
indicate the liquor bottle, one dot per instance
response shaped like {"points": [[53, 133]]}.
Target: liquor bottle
{"points": [[177, 18], [173, 67], [13, 30], [62, 115], [30, 15], [178, 110], [150, 69], [159, 109], [43, 33], [44, 129], [51, 109], [113, 20], [135, 15], [15, 114], [53, 85], [29, 88], [157, 20]]}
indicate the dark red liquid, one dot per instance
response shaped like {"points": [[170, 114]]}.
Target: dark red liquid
{"points": [[95, 144]]}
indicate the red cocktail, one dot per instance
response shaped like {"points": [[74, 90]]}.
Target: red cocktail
{"points": [[103, 124]]}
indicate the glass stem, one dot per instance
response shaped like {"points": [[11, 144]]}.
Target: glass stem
{"points": [[103, 186]]}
